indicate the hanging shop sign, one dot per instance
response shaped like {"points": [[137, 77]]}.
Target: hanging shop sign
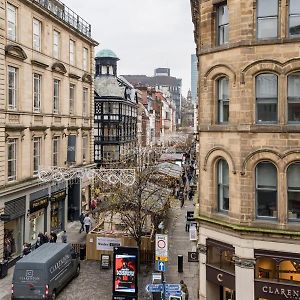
{"points": [[58, 196], [38, 204]]}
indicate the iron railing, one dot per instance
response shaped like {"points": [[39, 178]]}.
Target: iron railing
{"points": [[65, 14]]}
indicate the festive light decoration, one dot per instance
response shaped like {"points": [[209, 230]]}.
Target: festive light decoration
{"points": [[111, 176]]}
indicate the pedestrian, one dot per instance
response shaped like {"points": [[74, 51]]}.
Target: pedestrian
{"points": [[184, 289], [87, 223], [53, 237], [64, 237], [26, 248], [46, 237], [38, 242], [81, 218]]}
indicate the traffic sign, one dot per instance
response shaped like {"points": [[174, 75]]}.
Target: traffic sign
{"points": [[173, 287], [154, 288], [174, 293], [161, 266], [161, 247]]}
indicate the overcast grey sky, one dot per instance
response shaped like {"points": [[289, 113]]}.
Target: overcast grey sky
{"points": [[145, 34]]}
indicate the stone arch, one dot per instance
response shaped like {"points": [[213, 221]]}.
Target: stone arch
{"points": [[292, 65], [290, 157], [269, 65], [219, 70], [259, 155], [219, 152], [59, 67], [16, 52]]}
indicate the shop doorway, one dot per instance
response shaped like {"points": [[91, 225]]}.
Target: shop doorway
{"points": [[226, 293]]}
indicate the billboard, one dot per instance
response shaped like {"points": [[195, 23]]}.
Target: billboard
{"points": [[125, 272]]}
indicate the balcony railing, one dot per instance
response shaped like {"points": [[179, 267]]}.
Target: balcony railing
{"points": [[65, 14]]}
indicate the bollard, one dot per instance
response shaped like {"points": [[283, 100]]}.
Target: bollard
{"points": [[180, 263], [82, 252]]}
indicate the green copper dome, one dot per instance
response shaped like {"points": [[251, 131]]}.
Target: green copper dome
{"points": [[107, 53]]}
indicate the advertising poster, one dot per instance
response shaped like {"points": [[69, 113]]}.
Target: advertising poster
{"points": [[125, 273]]}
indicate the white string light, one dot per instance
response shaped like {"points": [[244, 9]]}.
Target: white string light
{"points": [[111, 176]]}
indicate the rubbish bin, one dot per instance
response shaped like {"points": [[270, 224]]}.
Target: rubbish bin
{"points": [[3, 268], [82, 251], [180, 263]]}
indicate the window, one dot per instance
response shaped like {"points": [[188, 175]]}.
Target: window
{"points": [[11, 159], [223, 185], [72, 52], [266, 98], [11, 22], [293, 185], [55, 151], [56, 84], [72, 98], [56, 42], [36, 154], [266, 190], [85, 102], [294, 18], [223, 24], [223, 100], [12, 88], [267, 19], [36, 34], [37, 83], [85, 59], [294, 97], [84, 148]]}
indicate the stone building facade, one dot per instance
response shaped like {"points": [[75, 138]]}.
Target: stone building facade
{"points": [[46, 116], [249, 156]]}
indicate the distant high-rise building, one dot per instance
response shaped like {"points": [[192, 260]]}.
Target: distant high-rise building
{"points": [[194, 77]]}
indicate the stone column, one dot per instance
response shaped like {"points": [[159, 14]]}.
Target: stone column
{"points": [[244, 273], [202, 271]]}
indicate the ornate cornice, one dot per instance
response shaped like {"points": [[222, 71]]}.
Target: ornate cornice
{"points": [[39, 64], [87, 78], [59, 68], [246, 263], [15, 51]]}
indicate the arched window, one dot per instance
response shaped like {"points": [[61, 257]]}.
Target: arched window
{"points": [[266, 98], [223, 185], [266, 190], [294, 98], [294, 18], [293, 191], [223, 100]]}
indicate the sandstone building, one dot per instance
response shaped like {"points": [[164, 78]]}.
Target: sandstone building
{"points": [[249, 156], [46, 116]]}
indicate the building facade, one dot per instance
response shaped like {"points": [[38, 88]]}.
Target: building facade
{"points": [[249, 161], [115, 120], [46, 113]]}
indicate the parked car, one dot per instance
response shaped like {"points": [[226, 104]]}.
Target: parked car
{"points": [[45, 271]]}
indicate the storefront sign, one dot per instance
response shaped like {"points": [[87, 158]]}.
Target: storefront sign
{"points": [[38, 204], [276, 291], [220, 277], [190, 216], [107, 244], [58, 196], [193, 257]]}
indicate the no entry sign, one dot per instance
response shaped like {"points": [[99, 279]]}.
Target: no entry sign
{"points": [[161, 247]]}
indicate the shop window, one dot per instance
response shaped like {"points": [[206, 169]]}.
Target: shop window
{"points": [[293, 185], [267, 19], [289, 271], [294, 18], [223, 100], [294, 98], [266, 190], [266, 98], [221, 258], [223, 185], [265, 269], [222, 24]]}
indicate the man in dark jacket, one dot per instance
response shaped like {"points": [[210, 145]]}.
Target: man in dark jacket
{"points": [[81, 218]]}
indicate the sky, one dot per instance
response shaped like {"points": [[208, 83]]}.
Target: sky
{"points": [[144, 34]]}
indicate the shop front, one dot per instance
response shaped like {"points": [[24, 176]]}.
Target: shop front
{"points": [[85, 194], [220, 271], [57, 212], [14, 228], [38, 213], [277, 275]]}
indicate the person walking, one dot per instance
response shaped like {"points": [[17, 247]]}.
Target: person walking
{"points": [[184, 289], [81, 218], [64, 237], [53, 237], [87, 223], [38, 242]]}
